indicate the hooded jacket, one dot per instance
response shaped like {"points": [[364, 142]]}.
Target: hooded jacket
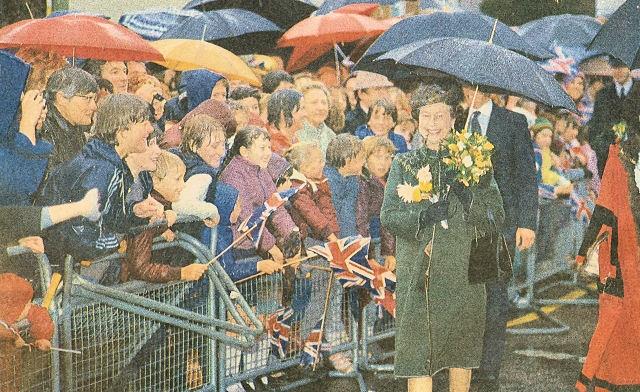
{"points": [[22, 164], [195, 87], [226, 199], [97, 166], [196, 165]]}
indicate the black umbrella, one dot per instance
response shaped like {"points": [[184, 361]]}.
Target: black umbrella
{"points": [[284, 13], [565, 30], [463, 24], [479, 63], [239, 31], [620, 36]]}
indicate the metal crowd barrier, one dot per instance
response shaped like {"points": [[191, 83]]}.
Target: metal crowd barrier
{"points": [[145, 337], [33, 371], [557, 242]]}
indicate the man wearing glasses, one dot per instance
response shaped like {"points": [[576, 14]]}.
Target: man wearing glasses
{"points": [[71, 102]]}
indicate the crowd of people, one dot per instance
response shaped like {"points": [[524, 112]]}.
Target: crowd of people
{"points": [[128, 144]]}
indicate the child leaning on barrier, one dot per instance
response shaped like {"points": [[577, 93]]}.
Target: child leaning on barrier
{"points": [[311, 208], [229, 208], [542, 132], [168, 184]]}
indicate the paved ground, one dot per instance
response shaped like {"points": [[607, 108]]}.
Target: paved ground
{"points": [[542, 363]]}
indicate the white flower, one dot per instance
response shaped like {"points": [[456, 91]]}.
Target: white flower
{"points": [[461, 146], [405, 191], [467, 161], [424, 175]]}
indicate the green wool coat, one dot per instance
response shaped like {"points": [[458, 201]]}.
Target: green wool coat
{"points": [[440, 317]]}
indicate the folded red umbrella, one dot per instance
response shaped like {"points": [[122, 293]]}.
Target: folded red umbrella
{"points": [[81, 36], [332, 28]]}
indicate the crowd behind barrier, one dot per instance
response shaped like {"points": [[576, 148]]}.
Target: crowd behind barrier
{"points": [[211, 334]]}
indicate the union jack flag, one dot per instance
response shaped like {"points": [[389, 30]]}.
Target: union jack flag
{"points": [[348, 258], [260, 215], [279, 330], [547, 191], [312, 346], [561, 63], [581, 207]]}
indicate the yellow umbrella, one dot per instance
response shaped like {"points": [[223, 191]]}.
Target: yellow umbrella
{"points": [[187, 54]]}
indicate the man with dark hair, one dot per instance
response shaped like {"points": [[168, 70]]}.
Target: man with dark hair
{"points": [[286, 117], [515, 172], [275, 81], [71, 95], [615, 103], [248, 97], [122, 127], [114, 71]]}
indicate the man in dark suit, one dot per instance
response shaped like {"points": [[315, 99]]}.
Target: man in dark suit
{"points": [[515, 172], [616, 102]]}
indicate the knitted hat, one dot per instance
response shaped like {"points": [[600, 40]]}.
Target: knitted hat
{"points": [[541, 124], [41, 323], [15, 293]]}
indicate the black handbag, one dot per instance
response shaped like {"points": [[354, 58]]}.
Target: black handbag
{"points": [[490, 257]]}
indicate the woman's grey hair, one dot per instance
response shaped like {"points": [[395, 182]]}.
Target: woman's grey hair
{"points": [[341, 149], [285, 102], [70, 82], [430, 94], [116, 113], [299, 152]]}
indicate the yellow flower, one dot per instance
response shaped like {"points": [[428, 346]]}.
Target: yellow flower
{"points": [[416, 195], [487, 146], [453, 147], [425, 187], [462, 136]]}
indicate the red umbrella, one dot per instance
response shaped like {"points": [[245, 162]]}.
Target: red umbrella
{"points": [[331, 28], [366, 9], [81, 36]]}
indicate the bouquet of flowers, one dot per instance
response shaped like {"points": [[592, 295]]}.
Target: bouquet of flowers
{"points": [[620, 130], [423, 191], [469, 156]]}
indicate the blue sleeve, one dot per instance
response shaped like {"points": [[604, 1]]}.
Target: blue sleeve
{"points": [[236, 269], [22, 168]]}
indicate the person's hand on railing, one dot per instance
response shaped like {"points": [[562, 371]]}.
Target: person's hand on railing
{"points": [[171, 217], [148, 208], [268, 266], [42, 344], [212, 221], [276, 254], [34, 243], [169, 236], [193, 271]]}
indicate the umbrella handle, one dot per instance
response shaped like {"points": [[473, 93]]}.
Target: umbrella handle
{"points": [[335, 55]]}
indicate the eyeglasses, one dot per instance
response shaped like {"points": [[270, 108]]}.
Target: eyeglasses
{"points": [[88, 98]]}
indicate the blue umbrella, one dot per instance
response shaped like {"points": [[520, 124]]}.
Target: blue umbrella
{"points": [[284, 13], [620, 36], [332, 5], [55, 14], [478, 63], [462, 24], [239, 31], [151, 24], [560, 30]]}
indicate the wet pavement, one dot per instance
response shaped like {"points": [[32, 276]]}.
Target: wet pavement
{"points": [[542, 363]]}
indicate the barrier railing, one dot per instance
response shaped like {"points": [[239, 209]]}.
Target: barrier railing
{"points": [[31, 370]]}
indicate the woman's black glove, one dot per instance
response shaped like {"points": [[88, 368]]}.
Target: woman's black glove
{"points": [[292, 244], [464, 194], [435, 213]]}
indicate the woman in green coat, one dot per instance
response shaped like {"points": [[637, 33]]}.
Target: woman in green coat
{"points": [[440, 316]]}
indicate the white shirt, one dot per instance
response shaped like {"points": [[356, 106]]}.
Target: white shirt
{"points": [[484, 116], [626, 87]]}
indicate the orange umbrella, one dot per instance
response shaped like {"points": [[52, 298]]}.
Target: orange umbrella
{"points": [[76, 35], [330, 29]]}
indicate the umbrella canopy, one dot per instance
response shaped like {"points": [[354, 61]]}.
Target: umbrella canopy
{"points": [[332, 5], [441, 5], [81, 36], [332, 28], [238, 30], [151, 24], [620, 36], [560, 30], [186, 54], [478, 63], [463, 24], [284, 13]]}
